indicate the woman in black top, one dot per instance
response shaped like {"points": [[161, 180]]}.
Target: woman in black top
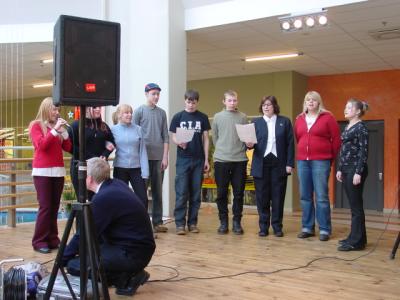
{"points": [[353, 170], [99, 141]]}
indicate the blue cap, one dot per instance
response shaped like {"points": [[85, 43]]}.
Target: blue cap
{"points": [[151, 86]]}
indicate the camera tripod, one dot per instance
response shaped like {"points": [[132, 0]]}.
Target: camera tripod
{"points": [[396, 245], [88, 244]]}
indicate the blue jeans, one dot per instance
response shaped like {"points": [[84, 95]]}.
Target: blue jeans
{"points": [[188, 181], [155, 181], [313, 178]]}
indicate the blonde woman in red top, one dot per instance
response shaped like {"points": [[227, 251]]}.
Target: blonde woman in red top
{"points": [[318, 142], [49, 138]]}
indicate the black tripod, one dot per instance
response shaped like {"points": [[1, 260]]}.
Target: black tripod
{"points": [[396, 245], [88, 244]]}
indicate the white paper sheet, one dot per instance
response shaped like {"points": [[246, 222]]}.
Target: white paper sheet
{"points": [[247, 133], [184, 135]]}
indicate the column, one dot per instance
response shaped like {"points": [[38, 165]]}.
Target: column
{"points": [[153, 49]]}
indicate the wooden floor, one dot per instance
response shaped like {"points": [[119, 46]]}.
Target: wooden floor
{"points": [[208, 254]]}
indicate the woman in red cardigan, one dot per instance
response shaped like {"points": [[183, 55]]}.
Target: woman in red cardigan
{"points": [[49, 138], [318, 142]]}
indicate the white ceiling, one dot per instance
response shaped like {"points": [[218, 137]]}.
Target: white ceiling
{"points": [[342, 47], [20, 68]]}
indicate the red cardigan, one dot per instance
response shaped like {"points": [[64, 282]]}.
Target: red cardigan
{"points": [[48, 148], [321, 142]]}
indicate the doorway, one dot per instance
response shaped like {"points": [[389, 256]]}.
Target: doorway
{"points": [[373, 188]]}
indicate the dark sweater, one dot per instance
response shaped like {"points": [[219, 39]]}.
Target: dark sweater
{"points": [[97, 133]]}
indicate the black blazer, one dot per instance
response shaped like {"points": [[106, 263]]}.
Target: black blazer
{"points": [[284, 145]]}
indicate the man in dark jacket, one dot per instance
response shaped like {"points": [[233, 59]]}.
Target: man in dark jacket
{"points": [[123, 228]]}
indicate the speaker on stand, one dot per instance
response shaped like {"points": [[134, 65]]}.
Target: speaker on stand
{"points": [[86, 73]]}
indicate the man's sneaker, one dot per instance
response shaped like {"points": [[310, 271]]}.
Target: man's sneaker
{"points": [[180, 230], [323, 237], [160, 228], [304, 235], [193, 229]]}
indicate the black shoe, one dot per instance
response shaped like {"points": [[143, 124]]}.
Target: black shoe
{"points": [[43, 250], [263, 233], [223, 228], [237, 228], [323, 237], [341, 242], [348, 247], [134, 283], [304, 235], [278, 234]]}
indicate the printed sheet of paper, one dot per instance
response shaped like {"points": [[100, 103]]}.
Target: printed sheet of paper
{"points": [[247, 133], [184, 135]]}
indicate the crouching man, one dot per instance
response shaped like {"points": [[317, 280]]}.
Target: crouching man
{"points": [[123, 229]]}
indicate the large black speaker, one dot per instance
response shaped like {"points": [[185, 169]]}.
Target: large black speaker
{"points": [[86, 62]]}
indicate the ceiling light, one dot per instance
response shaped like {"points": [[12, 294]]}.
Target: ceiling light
{"points": [[299, 21], [310, 22], [285, 25], [41, 85], [322, 20], [271, 57], [46, 61]]}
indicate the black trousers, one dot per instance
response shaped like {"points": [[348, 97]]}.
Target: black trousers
{"points": [[270, 193], [119, 264], [233, 173], [358, 233], [133, 176]]}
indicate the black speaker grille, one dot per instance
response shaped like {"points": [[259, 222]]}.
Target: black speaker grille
{"points": [[89, 57], [86, 52]]}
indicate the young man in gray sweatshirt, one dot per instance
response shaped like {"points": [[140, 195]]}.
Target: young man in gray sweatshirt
{"points": [[153, 121], [230, 162]]}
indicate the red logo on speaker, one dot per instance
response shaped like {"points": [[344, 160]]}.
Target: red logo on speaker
{"points": [[90, 87]]}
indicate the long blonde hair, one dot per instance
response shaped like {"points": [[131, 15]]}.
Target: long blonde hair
{"points": [[316, 96], [43, 115]]}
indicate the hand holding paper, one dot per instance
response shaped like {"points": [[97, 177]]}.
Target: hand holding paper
{"points": [[247, 133], [184, 135]]}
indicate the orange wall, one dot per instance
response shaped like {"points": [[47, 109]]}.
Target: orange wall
{"points": [[382, 92]]}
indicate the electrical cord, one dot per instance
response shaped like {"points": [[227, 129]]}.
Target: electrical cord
{"points": [[175, 278], [309, 263], [15, 284]]}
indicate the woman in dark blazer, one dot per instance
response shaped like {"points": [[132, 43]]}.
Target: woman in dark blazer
{"points": [[273, 160]]}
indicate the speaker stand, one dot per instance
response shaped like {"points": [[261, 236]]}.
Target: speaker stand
{"points": [[88, 244], [396, 245]]}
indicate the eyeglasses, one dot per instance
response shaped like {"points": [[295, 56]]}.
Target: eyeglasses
{"points": [[267, 104]]}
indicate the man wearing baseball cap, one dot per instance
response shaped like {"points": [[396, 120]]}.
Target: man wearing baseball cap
{"points": [[153, 121]]}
